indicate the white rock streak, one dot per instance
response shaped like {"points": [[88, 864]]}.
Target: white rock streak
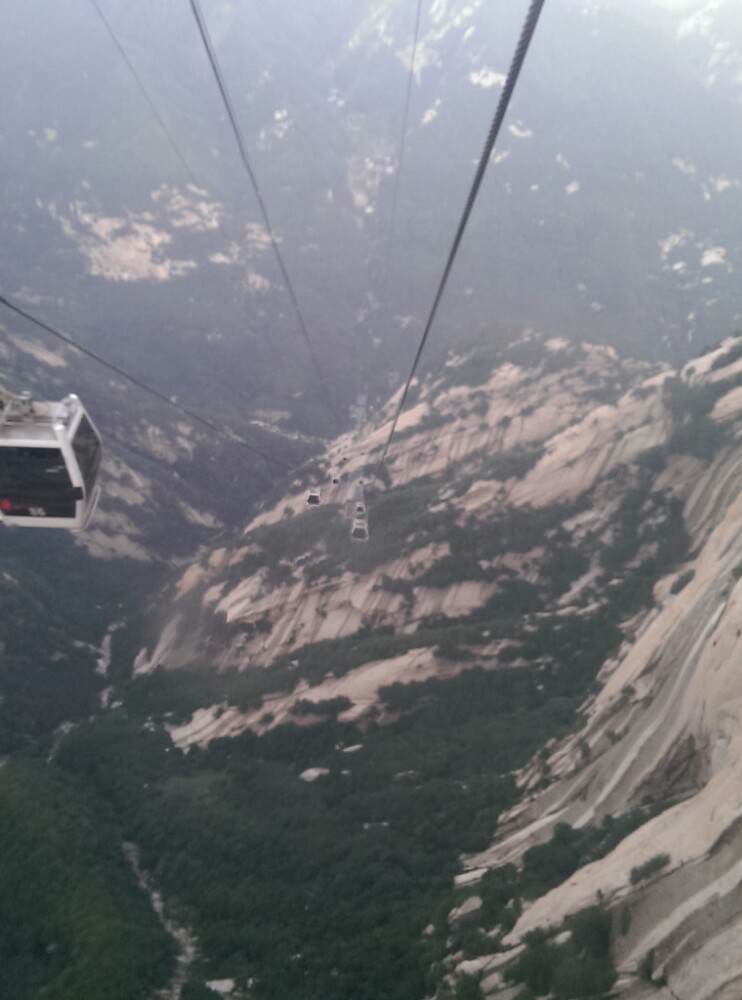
{"points": [[184, 939]]}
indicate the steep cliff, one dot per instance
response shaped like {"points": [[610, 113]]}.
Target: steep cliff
{"points": [[663, 731], [543, 502], [552, 570], [501, 494]]}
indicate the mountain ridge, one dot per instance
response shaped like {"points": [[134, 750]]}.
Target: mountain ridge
{"points": [[618, 481]]}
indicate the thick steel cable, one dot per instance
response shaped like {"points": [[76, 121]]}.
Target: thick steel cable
{"points": [[145, 93], [516, 65], [231, 114], [143, 386]]}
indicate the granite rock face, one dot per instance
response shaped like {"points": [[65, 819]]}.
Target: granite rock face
{"points": [[579, 435]]}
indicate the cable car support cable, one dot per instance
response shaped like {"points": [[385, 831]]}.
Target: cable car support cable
{"points": [[145, 93], [231, 114], [516, 65], [403, 133], [143, 386]]}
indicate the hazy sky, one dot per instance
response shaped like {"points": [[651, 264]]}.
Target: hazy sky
{"points": [[608, 211]]}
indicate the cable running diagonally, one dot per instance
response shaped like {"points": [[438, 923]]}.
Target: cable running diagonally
{"points": [[221, 84], [403, 133], [516, 65], [145, 93], [143, 386]]}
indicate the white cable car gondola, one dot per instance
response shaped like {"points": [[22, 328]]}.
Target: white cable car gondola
{"points": [[359, 531], [360, 508], [49, 459], [314, 498]]}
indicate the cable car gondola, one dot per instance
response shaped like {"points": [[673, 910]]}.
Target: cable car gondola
{"points": [[50, 454], [359, 531], [314, 498]]}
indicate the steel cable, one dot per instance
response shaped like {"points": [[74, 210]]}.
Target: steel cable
{"points": [[143, 386], [226, 100], [403, 133], [145, 93], [516, 65]]}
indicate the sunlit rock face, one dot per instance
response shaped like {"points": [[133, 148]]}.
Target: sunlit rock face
{"points": [[519, 440], [666, 726], [504, 466], [550, 427]]}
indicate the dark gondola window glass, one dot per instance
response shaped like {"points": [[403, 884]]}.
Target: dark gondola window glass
{"points": [[34, 482], [33, 472], [87, 448]]}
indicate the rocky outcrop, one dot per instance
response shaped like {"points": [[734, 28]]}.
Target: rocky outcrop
{"points": [[666, 726], [664, 729], [587, 455], [507, 414]]}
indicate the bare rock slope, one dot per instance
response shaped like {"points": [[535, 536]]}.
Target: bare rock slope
{"points": [[665, 727], [564, 495]]}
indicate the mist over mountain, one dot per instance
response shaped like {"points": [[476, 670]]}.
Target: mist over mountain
{"points": [[492, 751], [611, 210]]}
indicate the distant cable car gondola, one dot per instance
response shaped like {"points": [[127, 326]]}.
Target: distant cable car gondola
{"points": [[50, 454], [314, 498], [359, 531], [360, 509]]}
